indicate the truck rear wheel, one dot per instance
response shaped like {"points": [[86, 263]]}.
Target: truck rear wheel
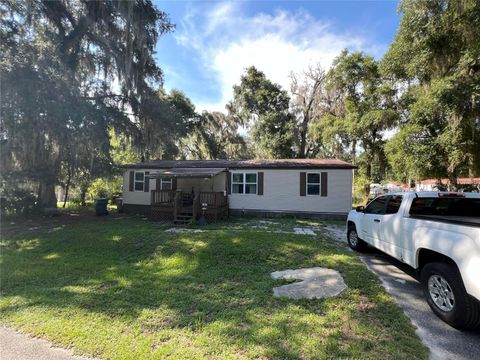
{"points": [[445, 293], [354, 241]]}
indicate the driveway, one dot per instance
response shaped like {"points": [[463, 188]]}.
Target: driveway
{"points": [[16, 346], [443, 341]]}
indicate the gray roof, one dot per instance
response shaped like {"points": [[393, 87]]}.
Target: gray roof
{"points": [[185, 172], [245, 164]]}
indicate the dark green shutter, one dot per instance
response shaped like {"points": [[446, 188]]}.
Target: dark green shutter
{"points": [[303, 184], [174, 183], [229, 182], [146, 188], [324, 184], [131, 181], [260, 183]]}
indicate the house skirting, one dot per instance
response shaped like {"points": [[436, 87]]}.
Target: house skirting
{"points": [[137, 209], [281, 213], [167, 214]]}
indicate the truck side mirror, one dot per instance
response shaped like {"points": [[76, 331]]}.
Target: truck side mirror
{"points": [[360, 208]]}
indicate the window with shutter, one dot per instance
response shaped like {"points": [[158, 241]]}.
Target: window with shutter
{"points": [[303, 183], [324, 184], [260, 183], [313, 184], [139, 180], [244, 183], [166, 184], [131, 180], [146, 186]]}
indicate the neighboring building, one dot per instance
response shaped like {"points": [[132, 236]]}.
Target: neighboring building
{"points": [[177, 190], [439, 184], [394, 186], [431, 184]]}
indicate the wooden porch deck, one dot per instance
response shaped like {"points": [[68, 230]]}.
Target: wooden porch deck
{"points": [[182, 208]]}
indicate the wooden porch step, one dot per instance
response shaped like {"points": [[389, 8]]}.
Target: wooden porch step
{"points": [[184, 218], [181, 222]]}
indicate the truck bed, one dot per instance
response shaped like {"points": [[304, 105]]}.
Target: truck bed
{"points": [[459, 220]]}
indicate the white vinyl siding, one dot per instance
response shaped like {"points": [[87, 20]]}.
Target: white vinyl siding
{"points": [[281, 193]]}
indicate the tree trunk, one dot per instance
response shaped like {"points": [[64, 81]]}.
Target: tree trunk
{"points": [[83, 194], [67, 187], [368, 174], [354, 151], [303, 143], [46, 194], [368, 168], [303, 134]]}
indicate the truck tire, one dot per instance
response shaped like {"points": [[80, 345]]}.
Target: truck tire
{"points": [[354, 241], [445, 293]]}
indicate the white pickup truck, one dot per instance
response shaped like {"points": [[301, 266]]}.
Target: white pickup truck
{"points": [[436, 233]]}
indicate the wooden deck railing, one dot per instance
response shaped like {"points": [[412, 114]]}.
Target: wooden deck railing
{"points": [[196, 207], [171, 202], [163, 197], [177, 205], [213, 199]]}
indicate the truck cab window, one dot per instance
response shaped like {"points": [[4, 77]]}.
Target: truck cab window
{"points": [[394, 204], [446, 206], [377, 206]]}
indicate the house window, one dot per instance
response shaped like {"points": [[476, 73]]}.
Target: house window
{"points": [[313, 184], [244, 183], [166, 184], [139, 180], [237, 183]]}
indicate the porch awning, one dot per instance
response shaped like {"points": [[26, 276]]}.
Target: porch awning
{"points": [[186, 172]]}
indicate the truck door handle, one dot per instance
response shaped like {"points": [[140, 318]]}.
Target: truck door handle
{"points": [[376, 220]]}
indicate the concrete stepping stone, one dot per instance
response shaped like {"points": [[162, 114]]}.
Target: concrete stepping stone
{"points": [[304, 231], [183, 230], [317, 283]]}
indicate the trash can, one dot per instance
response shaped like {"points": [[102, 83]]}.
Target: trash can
{"points": [[119, 202], [101, 207]]}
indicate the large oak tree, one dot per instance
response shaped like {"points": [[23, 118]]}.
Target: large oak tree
{"points": [[70, 72], [436, 56]]}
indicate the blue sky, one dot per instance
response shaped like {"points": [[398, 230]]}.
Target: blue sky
{"points": [[214, 41]]}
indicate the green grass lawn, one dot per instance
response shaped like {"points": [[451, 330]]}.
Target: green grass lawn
{"points": [[125, 289]]}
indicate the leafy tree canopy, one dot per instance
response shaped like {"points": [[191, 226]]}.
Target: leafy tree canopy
{"points": [[436, 54], [366, 108], [70, 72], [263, 106]]}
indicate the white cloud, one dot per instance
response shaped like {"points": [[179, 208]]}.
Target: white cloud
{"points": [[227, 41]]}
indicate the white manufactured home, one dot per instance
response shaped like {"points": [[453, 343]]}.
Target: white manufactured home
{"points": [[182, 190]]}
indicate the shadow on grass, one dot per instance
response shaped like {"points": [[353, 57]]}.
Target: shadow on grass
{"points": [[135, 272]]}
